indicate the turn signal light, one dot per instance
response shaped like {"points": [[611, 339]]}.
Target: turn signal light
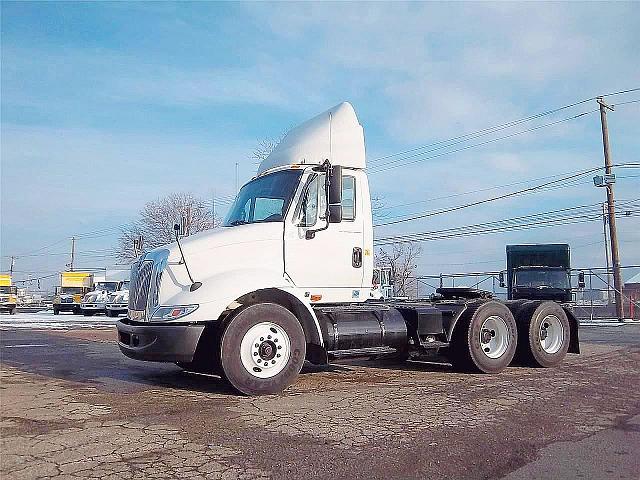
{"points": [[172, 313]]}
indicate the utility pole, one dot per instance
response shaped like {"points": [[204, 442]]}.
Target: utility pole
{"points": [[73, 252], [13, 262], [606, 250], [237, 178], [613, 233]]}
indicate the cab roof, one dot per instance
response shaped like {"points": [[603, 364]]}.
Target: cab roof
{"points": [[335, 135]]}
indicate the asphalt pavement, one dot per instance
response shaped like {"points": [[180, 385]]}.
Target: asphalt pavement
{"points": [[74, 407]]}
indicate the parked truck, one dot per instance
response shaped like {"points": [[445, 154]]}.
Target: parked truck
{"points": [[73, 287], [8, 294], [288, 279], [539, 272], [118, 301], [105, 284]]}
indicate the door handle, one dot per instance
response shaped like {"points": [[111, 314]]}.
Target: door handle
{"points": [[356, 257]]}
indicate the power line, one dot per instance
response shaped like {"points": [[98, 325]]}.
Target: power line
{"points": [[487, 200], [395, 163], [485, 131], [555, 217]]}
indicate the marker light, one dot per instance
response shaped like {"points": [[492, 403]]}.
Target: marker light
{"points": [[174, 312]]}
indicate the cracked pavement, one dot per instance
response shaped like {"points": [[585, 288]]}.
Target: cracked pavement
{"points": [[73, 407]]}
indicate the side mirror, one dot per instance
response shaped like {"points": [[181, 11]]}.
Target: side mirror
{"points": [[581, 283], [501, 278], [335, 185], [335, 213]]}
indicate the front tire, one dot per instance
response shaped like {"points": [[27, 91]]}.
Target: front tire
{"points": [[484, 339], [544, 335], [262, 349], [87, 314], [56, 311]]}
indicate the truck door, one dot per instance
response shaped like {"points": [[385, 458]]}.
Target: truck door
{"points": [[331, 263]]}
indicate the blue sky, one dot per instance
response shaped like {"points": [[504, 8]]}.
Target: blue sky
{"points": [[106, 106]]}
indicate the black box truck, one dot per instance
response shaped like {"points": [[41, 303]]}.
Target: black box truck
{"points": [[539, 272]]}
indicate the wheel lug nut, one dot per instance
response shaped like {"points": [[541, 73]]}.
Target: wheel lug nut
{"points": [[262, 339], [275, 340], [269, 337], [273, 362], [278, 355], [279, 347], [257, 345], [255, 354]]}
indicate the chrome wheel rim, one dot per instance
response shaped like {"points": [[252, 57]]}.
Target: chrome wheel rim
{"points": [[551, 334], [265, 350], [494, 337]]}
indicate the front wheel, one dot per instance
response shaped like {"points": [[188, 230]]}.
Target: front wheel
{"points": [[484, 339], [12, 311], [262, 349], [544, 335], [56, 311]]}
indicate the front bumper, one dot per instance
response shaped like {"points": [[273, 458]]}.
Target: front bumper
{"points": [[117, 307], [95, 307], [7, 306], [67, 307], [158, 342]]}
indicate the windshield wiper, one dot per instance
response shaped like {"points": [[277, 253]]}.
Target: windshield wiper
{"points": [[235, 223]]}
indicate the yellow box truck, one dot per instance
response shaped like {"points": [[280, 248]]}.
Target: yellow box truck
{"points": [[73, 286], [8, 294]]}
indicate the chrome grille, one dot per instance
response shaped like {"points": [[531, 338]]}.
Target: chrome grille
{"points": [[138, 301]]}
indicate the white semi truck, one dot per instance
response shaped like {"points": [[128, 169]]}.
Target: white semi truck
{"points": [[288, 279]]}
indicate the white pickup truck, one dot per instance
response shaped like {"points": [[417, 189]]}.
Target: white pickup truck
{"points": [[288, 279]]}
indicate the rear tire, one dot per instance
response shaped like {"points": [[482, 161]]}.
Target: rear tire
{"points": [[484, 339], [544, 335], [262, 349]]}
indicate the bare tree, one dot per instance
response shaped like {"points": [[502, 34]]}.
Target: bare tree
{"points": [[401, 258], [265, 147], [156, 221]]}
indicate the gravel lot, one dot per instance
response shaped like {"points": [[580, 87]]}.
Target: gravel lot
{"points": [[73, 407]]}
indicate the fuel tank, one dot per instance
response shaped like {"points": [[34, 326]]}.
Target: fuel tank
{"points": [[346, 329]]}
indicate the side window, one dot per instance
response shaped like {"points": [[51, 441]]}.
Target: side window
{"points": [[348, 198], [309, 210]]}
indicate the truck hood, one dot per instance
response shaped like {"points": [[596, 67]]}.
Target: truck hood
{"points": [[240, 237], [251, 247]]}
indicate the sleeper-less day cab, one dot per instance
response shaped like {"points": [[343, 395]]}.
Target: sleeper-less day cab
{"points": [[288, 279]]}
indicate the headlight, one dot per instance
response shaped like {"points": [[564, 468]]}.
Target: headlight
{"points": [[172, 313]]}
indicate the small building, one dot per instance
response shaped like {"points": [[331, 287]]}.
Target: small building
{"points": [[631, 300]]}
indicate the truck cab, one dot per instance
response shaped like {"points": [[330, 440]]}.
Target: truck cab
{"points": [[118, 301], [539, 272]]}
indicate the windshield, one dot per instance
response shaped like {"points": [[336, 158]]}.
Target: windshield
{"points": [[73, 289], [108, 286], [265, 199], [542, 278], [125, 285], [8, 289]]}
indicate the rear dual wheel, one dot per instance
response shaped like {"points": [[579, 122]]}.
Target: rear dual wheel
{"points": [[262, 349], [484, 339], [544, 334]]}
